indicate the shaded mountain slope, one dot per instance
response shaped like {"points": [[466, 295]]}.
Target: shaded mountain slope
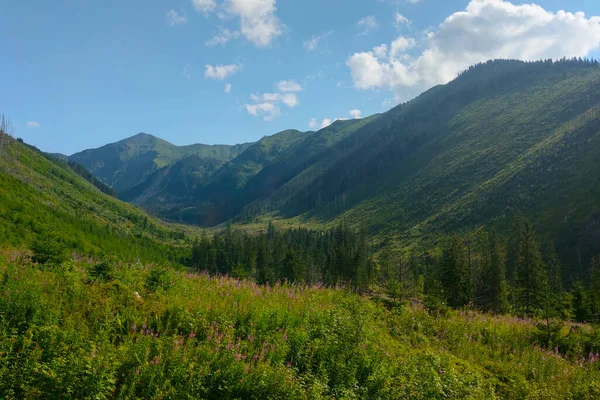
{"points": [[200, 191], [128, 162]]}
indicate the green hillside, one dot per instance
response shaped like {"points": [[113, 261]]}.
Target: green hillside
{"points": [[127, 331], [503, 139], [44, 202], [199, 191], [128, 162]]}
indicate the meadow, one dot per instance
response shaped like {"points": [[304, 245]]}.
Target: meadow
{"points": [[112, 330]]}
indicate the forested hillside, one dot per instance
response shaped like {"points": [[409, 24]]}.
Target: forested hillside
{"points": [[505, 138]]}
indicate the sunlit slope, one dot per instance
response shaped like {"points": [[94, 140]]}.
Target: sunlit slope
{"points": [[43, 197]]}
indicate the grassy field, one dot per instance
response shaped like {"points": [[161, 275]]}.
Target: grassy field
{"points": [[117, 330]]}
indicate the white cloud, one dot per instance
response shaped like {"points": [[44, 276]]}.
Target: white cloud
{"points": [[313, 42], [222, 38], [267, 104], [174, 18], [356, 114], [290, 100], [289, 86], [205, 6], [486, 29], [220, 72], [326, 122], [33, 125], [400, 45], [400, 20], [259, 24], [380, 51], [228, 88], [187, 72], [368, 24], [267, 110]]}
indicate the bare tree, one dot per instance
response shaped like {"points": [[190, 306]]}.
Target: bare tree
{"points": [[5, 136]]}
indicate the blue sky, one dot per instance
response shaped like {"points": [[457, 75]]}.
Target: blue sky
{"points": [[78, 74]]}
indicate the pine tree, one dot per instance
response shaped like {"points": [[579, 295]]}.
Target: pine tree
{"points": [[456, 275], [529, 271]]}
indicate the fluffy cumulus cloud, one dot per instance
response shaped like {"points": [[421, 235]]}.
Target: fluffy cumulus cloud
{"points": [[33, 125], [220, 72], [258, 22], [313, 123], [174, 18], [266, 105], [266, 110], [356, 114], [486, 29]]}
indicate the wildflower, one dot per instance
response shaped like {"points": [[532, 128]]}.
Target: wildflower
{"points": [[192, 335]]}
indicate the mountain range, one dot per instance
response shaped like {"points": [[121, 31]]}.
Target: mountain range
{"points": [[504, 138]]}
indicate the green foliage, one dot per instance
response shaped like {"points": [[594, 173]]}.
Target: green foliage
{"points": [[455, 273], [48, 249], [159, 278], [65, 335], [48, 207], [103, 271], [337, 257], [128, 162], [530, 277]]}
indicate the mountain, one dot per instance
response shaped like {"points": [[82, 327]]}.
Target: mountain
{"points": [[126, 163], [49, 203], [504, 138], [200, 191]]}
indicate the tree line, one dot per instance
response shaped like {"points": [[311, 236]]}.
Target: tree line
{"points": [[336, 257], [483, 270]]}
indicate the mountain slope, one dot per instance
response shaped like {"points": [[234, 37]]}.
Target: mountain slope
{"points": [[128, 162], [504, 138], [42, 198], [203, 192]]}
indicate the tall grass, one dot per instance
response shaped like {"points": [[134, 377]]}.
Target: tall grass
{"points": [[114, 330]]}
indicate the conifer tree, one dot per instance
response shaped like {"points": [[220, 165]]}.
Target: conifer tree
{"points": [[594, 291], [456, 275], [529, 273], [493, 291]]}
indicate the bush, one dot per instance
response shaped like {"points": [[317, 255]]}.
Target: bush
{"points": [[159, 277], [102, 272], [48, 250]]}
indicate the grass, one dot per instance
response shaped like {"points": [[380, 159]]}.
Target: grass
{"points": [[119, 330]]}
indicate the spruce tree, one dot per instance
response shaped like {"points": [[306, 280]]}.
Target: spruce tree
{"points": [[490, 287], [456, 275], [529, 271]]}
